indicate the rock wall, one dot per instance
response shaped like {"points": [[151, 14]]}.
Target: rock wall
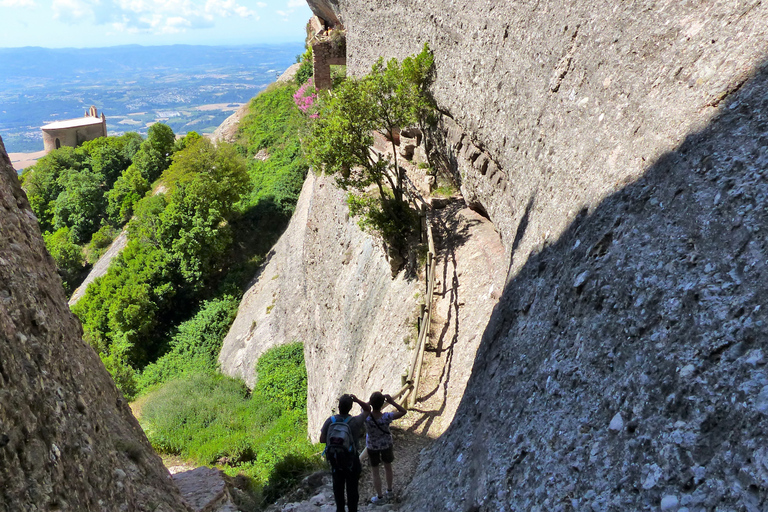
{"points": [[68, 440], [621, 149], [328, 285], [560, 104]]}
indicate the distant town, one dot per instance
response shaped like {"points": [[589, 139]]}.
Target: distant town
{"points": [[190, 88]]}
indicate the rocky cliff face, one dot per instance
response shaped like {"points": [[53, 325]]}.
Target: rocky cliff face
{"points": [[621, 149], [68, 440], [328, 285]]}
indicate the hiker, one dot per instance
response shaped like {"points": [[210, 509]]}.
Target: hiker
{"points": [[340, 434], [378, 441]]}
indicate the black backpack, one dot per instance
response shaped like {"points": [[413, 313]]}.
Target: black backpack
{"points": [[340, 449]]}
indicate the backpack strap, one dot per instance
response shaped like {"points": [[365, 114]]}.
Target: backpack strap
{"points": [[379, 426]]}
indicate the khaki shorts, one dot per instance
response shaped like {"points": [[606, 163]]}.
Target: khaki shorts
{"points": [[376, 456]]}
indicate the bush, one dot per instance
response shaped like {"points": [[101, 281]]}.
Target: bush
{"points": [[195, 346], [100, 242], [212, 419], [282, 376], [306, 68]]}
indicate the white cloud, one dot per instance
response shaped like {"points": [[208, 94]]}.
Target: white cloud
{"points": [[261, 5], [227, 8], [17, 3], [149, 16], [296, 3], [71, 10]]}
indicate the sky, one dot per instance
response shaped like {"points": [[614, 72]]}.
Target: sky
{"points": [[98, 23]]}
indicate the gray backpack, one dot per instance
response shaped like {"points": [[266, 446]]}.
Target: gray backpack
{"points": [[340, 449]]}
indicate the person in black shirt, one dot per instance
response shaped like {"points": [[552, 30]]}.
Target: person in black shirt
{"points": [[347, 474]]}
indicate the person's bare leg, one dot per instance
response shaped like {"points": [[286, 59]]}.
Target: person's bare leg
{"points": [[388, 475], [376, 480]]}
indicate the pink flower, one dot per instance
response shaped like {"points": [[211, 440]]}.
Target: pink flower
{"points": [[305, 98]]}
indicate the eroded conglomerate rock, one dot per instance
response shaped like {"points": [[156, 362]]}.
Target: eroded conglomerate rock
{"points": [[68, 440], [327, 284], [621, 149]]}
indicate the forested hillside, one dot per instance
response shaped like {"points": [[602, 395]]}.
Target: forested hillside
{"points": [[200, 217]]}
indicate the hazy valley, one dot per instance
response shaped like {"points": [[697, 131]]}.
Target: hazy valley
{"points": [[190, 88]]}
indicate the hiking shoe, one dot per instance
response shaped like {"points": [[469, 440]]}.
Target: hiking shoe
{"points": [[377, 500]]}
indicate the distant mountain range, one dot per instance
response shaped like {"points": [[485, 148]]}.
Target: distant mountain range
{"points": [[189, 87]]}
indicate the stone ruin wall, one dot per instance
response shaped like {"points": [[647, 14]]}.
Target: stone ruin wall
{"points": [[326, 54], [68, 440], [621, 150]]}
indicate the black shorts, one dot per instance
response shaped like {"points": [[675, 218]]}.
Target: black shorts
{"points": [[376, 456]]}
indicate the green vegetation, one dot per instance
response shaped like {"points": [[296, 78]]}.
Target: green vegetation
{"points": [[393, 96], [99, 243], [177, 242], [282, 376], [181, 263], [306, 69], [195, 346], [66, 253], [272, 127], [69, 191], [212, 419], [157, 318]]}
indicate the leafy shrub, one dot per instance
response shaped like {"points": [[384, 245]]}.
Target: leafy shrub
{"points": [[195, 346], [306, 68], [282, 376], [99, 243]]}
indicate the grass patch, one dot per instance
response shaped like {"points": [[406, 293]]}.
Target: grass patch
{"points": [[212, 419]]}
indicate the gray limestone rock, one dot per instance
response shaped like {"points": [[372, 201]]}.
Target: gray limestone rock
{"points": [[68, 440], [626, 142], [328, 285]]}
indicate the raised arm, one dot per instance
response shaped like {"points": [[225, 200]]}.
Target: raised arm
{"points": [[400, 410], [365, 406]]}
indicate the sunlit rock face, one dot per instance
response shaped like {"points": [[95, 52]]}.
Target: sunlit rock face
{"points": [[328, 285], [68, 440], [620, 148]]}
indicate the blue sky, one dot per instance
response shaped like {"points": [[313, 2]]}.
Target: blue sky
{"points": [[94, 23]]}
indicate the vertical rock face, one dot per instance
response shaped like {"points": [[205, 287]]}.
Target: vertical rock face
{"points": [[621, 149], [563, 103], [68, 440], [327, 284]]}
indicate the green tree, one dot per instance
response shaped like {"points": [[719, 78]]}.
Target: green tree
{"points": [[67, 255], [129, 188], [131, 145], [106, 156], [154, 155], [205, 182], [176, 240], [80, 204], [393, 96], [42, 185]]}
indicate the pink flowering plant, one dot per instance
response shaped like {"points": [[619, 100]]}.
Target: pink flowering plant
{"points": [[306, 99]]}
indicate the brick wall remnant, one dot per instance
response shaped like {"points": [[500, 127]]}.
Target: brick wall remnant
{"points": [[326, 53]]}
